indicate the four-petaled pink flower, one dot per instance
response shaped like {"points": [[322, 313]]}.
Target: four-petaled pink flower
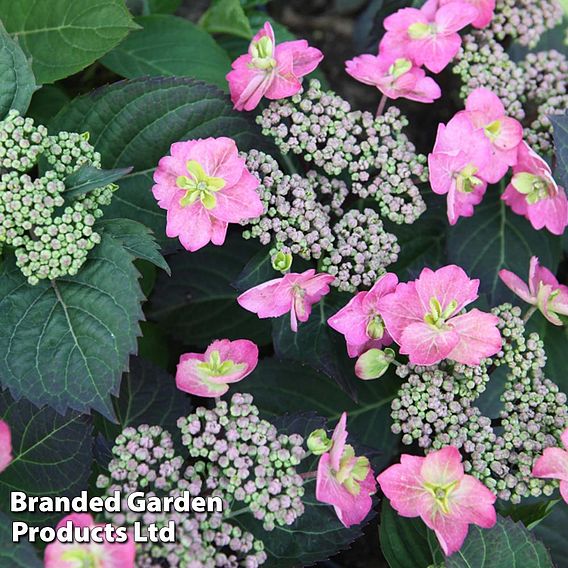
{"points": [[486, 112], [458, 166], [424, 318], [543, 291], [553, 464], [5, 446], [437, 490], [270, 70], [485, 11], [394, 76], [345, 480], [428, 36], [224, 362], [360, 322], [204, 185], [534, 194], [101, 555], [294, 293]]}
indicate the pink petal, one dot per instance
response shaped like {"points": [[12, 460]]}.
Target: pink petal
{"points": [[514, 283], [191, 224], [247, 85], [219, 157], [515, 200], [401, 309], [551, 213], [486, 103], [191, 379], [239, 202], [564, 438], [239, 351], [461, 204], [442, 467], [564, 490], [538, 274], [442, 168], [510, 135], [351, 321], [368, 69], [265, 31], [385, 285], [426, 345], [339, 438], [435, 52], [425, 91], [450, 532], [305, 59], [454, 17], [268, 300], [473, 502], [479, 337], [218, 231], [5, 446], [552, 464], [401, 20]]}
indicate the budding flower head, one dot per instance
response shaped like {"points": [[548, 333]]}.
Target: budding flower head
{"points": [[318, 442], [374, 363], [282, 261]]}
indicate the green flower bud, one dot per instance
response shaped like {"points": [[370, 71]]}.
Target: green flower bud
{"points": [[374, 363], [318, 442], [282, 261]]}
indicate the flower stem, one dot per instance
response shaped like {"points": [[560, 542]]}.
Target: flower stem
{"points": [[308, 474], [381, 107], [529, 314]]}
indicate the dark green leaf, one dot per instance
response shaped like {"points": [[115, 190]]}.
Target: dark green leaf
{"points": [[65, 343], [560, 124], [134, 123], [89, 177], [198, 303], [137, 239], [556, 346], [17, 83], [552, 531], [146, 7], [168, 45], [532, 514], [15, 555], [52, 454], [226, 17], [496, 238], [46, 103], [256, 271], [62, 37]]}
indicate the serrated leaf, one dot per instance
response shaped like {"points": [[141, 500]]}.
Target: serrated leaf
{"points": [[226, 17], [61, 37], [198, 303], [134, 123], [17, 82], [66, 343], [496, 238], [15, 555], [168, 45], [560, 124], [285, 386], [52, 455], [137, 239], [88, 177]]}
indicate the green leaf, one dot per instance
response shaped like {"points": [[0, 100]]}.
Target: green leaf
{"points": [[404, 542], [198, 303], [65, 343], [64, 36], [134, 123], [15, 555], [256, 271], [88, 177], [532, 514], [552, 531], [286, 386], [556, 346], [316, 343], [148, 395], [137, 239], [46, 103], [52, 455], [146, 7], [226, 17], [495, 238], [17, 83], [560, 124], [506, 544], [168, 45]]}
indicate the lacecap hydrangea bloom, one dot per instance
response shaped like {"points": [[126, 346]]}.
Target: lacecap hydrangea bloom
{"points": [[204, 185], [437, 490], [5, 446], [270, 70], [224, 362]]}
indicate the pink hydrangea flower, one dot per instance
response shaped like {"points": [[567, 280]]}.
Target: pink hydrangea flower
{"points": [[270, 70], [360, 322], [424, 318], [553, 464], [294, 293], [534, 194], [224, 362], [345, 480], [486, 112], [485, 11], [5, 446], [459, 166], [428, 36], [204, 185], [104, 555], [437, 490], [543, 291], [394, 76]]}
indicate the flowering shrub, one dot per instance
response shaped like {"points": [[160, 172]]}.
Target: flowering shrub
{"points": [[318, 283]]}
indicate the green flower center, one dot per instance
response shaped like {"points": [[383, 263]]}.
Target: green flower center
{"points": [[352, 470], [420, 30], [375, 327], [198, 185], [466, 181], [534, 188], [215, 367], [81, 558], [438, 317], [442, 494], [400, 67], [493, 130], [263, 54]]}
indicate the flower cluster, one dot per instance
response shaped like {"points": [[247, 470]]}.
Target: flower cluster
{"points": [[378, 157], [436, 407], [51, 233], [231, 453]]}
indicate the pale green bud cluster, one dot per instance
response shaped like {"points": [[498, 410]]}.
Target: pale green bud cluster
{"points": [[51, 234]]}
